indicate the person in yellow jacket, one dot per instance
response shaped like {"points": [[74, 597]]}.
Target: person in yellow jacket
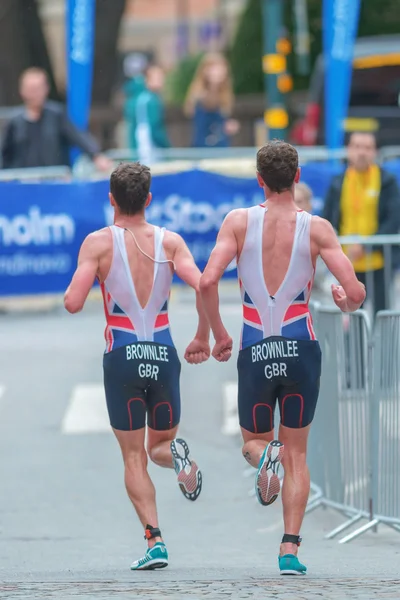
{"points": [[364, 201]]}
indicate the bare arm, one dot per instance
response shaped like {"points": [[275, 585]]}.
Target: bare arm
{"points": [[198, 350], [350, 296], [226, 249], [84, 276]]}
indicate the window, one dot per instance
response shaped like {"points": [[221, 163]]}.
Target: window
{"points": [[377, 86]]}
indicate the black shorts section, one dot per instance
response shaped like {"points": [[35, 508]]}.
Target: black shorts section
{"points": [[142, 380], [278, 370]]}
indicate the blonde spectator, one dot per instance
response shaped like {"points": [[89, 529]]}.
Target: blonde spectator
{"points": [[303, 197], [210, 102]]}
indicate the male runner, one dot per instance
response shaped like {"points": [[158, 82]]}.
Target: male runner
{"points": [[134, 263], [277, 246]]}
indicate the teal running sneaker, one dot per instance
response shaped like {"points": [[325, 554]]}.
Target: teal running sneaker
{"points": [[190, 479], [289, 564], [268, 484], [155, 558]]}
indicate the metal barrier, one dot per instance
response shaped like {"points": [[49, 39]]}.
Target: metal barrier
{"points": [[385, 408], [354, 450], [35, 174], [388, 153], [306, 154], [387, 243]]}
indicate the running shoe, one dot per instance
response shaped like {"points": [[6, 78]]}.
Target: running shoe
{"points": [[267, 481], [289, 564], [189, 475], [155, 558]]}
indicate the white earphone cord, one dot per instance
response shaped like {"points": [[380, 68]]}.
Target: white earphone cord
{"points": [[160, 262]]}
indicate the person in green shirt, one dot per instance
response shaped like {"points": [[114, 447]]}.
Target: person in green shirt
{"points": [[144, 114]]}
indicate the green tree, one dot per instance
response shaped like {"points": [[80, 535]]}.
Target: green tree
{"points": [[376, 17], [247, 50]]}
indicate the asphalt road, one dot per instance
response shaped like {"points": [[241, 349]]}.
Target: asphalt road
{"points": [[67, 529]]}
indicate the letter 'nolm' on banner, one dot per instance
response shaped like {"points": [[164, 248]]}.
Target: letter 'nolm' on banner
{"points": [[340, 20]]}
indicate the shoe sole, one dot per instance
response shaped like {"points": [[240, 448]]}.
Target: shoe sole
{"points": [[191, 482], [152, 565], [292, 572], [268, 484]]}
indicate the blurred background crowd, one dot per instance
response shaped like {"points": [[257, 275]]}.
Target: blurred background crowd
{"points": [[188, 73], [174, 80]]}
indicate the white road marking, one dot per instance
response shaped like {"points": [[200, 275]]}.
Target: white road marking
{"points": [[87, 411], [2, 390], [230, 424], [271, 527]]}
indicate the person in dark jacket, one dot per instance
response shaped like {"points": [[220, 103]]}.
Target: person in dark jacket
{"points": [[40, 134], [364, 201]]}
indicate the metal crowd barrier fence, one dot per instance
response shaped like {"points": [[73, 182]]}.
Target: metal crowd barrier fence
{"points": [[385, 415], [35, 174], [307, 154], [386, 244], [354, 450]]}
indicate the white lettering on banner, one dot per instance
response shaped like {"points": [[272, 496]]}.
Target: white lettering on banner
{"points": [[81, 32], [34, 264], [36, 228], [341, 46], [280, 349], [147, 352], [188, 216]]}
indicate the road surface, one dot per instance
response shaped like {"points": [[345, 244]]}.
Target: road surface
{"points": [[67, 529]]}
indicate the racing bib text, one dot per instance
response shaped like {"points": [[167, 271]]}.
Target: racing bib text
{"points": [[268, 350], [147, 352], [281, 349]]}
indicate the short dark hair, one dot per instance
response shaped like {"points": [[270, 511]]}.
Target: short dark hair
{"points": [[277, 164], [130, 186]]}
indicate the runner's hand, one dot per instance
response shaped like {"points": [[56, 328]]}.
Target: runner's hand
{"points": [[222, 350], [339, 297], [197, 352]]}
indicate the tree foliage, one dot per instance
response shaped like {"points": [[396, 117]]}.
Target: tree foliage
{"points": [[377, 17]]}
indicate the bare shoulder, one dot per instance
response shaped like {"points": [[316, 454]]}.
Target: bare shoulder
{"points": [[98, 242], [321, 227], [322, 233], [172, 240], [236, 220], [237, 216]]}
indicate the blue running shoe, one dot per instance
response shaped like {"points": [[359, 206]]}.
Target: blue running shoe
{"points": [[155, 558], [289, 564], [268, 484]]}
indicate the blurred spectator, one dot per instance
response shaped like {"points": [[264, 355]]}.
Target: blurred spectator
{"points": [[303, 197], [365, 200], [210, 103], [40, 134], [144, 114]]}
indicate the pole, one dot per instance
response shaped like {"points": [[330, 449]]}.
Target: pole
{"points": [[277, 81], [80, 29], [182, 14], [302, 37], [340, 19]]}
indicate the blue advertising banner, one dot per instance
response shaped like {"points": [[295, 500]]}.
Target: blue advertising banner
{"points": [[80, 28], [340, 18], [43, 225]]}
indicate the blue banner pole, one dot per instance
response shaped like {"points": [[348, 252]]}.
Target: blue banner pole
{"points": [[340, 20], [80, 30]]}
